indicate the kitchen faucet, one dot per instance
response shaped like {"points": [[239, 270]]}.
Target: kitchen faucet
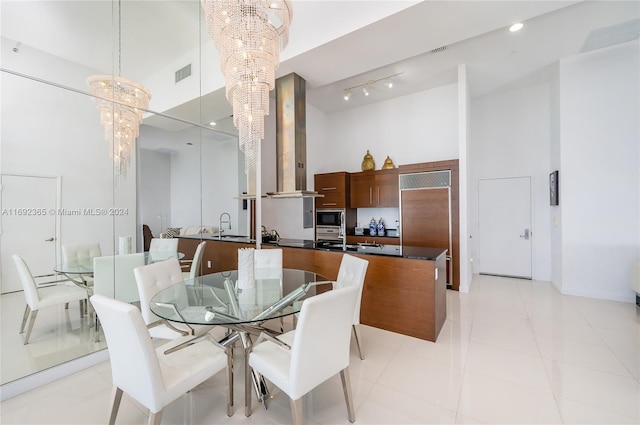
{"points": [[228, 221]]}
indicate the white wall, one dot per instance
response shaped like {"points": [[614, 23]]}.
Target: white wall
{"points": [[511, 138], [599, 171], [420, 127], [154, 196]]}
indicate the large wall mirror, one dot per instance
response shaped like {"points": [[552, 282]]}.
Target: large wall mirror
{"points": [[58, 180]]}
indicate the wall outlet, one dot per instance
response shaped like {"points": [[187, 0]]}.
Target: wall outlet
{"points": [[209, 263]]}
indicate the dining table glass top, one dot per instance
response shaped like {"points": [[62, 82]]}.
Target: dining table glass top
{"points": [[216, 299], [85, 266]]}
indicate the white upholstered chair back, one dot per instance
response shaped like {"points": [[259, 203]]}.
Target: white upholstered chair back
{"points": [[134, 365], [162, 249], [352, 273], [113, 276], [28, 282], [194, 271], [150, 280], [267, 263], [321, 344], [84, 253]]}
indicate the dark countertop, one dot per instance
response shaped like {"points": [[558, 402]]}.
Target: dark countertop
{"points": [[412, 252]]}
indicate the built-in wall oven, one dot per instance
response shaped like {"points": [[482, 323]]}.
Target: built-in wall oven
{"points": [[330, 224]]}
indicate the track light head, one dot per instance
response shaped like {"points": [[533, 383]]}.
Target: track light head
{"points": [[365, 91], [388, 83], [347, 95]]}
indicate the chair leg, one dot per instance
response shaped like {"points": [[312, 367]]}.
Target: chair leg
{"points": [[155, 418], [247, 384], [296, 411], [230, 407], [346, 387], [116, 396], [356, 333], [66, 306], [32, 320], [27, 310]]}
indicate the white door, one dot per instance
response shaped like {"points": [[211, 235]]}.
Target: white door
{"points": [[28, 224], [504, 227]]}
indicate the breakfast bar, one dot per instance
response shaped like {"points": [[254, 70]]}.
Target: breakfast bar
{"points": [[404, 290]]}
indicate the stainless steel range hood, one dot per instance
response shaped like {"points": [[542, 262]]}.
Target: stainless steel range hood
{"points": [[291, 139]]}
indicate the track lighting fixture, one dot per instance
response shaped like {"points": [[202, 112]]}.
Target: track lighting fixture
{"points": [[368, 84]]}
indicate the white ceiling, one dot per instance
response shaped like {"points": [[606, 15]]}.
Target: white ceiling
{"points": [[334, 44]]}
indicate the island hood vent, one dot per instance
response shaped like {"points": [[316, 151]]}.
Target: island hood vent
{"points": [[291, 139]]}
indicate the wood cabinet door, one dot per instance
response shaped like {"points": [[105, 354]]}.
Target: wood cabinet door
{"points": [[387, 187], [362, 190], [334, 188], [425, 218]]}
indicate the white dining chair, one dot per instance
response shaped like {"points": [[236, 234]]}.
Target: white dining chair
{"points": [[162, 249], [194, 269], [150, 280], [38, 298], [352, 272], [113, 276], [148, 375], [84, 253], [300, 360]]}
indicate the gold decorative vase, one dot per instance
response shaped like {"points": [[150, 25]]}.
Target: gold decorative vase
{"points": [[368, 163], [388, 164]]}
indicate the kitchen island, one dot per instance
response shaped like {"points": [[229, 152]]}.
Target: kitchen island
{"points": [[404, 289]]}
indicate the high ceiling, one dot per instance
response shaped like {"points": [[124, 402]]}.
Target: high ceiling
{"points": [[338, 44]]}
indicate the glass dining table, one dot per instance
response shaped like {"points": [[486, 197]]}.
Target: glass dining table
{"points": [[219, 299]]}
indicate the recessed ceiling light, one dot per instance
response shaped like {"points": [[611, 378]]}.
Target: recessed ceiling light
{"points": [[516, 27], [212, 123]]}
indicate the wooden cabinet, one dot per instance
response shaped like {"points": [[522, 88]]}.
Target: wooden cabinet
{"points": [[374, 189], [334, 187]]}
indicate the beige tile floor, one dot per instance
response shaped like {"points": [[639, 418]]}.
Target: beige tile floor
{"points": [[511, 352]]}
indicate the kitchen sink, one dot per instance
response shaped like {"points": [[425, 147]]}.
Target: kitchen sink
{"points": [[337, 245]]}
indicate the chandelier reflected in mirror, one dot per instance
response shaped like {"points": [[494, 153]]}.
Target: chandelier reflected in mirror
{"points": [[249, 35], [121, 103]]}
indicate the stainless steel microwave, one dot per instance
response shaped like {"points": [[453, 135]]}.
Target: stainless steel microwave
{"points": [[330, 224], [329, 217]]}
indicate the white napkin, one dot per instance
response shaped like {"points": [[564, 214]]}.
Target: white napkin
{"points": [[246, 274], [125, 245]]}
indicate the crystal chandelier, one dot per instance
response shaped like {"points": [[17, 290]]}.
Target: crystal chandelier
{"points": [[121, 103], [249, 35]]}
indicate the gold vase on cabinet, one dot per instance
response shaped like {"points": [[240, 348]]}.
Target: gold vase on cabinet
{"points": [[388, 164], [368, 163]]}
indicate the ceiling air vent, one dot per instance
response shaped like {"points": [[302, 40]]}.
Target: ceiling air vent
{"points": [[183, 73], [439, 49]]}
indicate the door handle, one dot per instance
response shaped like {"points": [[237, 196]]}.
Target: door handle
{"points": [[526, 234], [49, 240]]}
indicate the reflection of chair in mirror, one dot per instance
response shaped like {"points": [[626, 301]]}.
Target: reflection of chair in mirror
{"points": [[147, 374], [162, 249], [267, 265], [300, 360], [113, 277], [38, 298], [194, 269], [150, 280], [352, 273], [81, 253]]}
